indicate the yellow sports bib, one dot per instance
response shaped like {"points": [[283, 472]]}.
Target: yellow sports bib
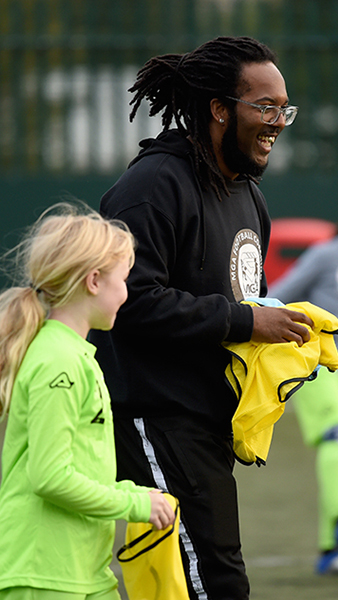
{"points": [[263, 376], [151, 561]]}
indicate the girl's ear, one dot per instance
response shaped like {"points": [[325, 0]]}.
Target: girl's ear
{"points": [[92, 281]]}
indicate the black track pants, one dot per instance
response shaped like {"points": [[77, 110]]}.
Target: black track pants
{"points": [[196, 466]]}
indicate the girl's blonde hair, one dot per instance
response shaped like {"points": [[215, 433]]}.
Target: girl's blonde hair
{"points": [[61, 248]]}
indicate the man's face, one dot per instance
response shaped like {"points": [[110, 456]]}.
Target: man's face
{"points": [[247, 142]]}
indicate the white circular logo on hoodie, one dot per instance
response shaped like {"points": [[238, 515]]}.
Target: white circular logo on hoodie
{"points": [[246, 265]]}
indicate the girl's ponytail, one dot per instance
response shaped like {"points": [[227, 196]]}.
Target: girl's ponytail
{"points": [[21, 317]]}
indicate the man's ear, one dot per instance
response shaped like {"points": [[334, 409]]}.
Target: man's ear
{"points": [[219, 112], [92, 281]]}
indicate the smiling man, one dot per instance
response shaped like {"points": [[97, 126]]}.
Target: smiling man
{"points": [[202, 229], [248, 136]]}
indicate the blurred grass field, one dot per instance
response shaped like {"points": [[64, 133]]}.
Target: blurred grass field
{"points": [[278, 514]]}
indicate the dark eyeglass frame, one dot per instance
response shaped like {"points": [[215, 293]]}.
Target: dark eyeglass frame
{"points": [[289, 112]]}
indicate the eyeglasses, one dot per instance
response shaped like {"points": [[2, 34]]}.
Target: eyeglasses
{"points": [[270, 114]]}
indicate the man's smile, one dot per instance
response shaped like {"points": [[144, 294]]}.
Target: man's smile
{"points": [[266, 141]]}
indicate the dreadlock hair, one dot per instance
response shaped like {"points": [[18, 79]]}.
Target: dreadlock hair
{"points": [[182, 86]]}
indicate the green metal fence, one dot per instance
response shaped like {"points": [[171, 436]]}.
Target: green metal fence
{"points": [[66, 65]]}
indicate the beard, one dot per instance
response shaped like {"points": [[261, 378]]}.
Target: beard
{"points": [[234, 158]]}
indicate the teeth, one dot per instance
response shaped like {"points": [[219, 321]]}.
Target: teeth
{"points": [[267, 138]]}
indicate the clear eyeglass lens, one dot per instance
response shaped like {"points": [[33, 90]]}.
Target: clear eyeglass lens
{"points": [[271, 114], [290, 115]]}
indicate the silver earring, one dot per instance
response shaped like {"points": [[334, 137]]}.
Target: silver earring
{"points": [[221, 120]]}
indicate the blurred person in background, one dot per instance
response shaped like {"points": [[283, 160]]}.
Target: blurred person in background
{"points": [[314, 278], [191, 199]]}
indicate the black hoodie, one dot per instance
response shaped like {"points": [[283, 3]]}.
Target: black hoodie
{"points": [[196, 258]]}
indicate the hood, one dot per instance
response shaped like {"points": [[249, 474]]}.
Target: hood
{"points": [[169, 142], [172, 142]]}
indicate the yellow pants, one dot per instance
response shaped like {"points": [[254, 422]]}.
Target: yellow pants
{"points": [[29, 593]]}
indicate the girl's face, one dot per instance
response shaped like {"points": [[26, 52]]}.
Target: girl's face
{"points": [[111, 294]]}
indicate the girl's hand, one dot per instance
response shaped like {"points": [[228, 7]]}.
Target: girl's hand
{"points": [[162, 515]]}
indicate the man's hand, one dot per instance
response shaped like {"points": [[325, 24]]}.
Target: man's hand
{"points": [[278, 325]]}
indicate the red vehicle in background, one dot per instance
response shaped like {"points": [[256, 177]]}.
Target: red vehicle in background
{"points": [[289, 238]]}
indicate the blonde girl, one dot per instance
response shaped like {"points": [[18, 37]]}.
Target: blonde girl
{"points": [[59, 498]]}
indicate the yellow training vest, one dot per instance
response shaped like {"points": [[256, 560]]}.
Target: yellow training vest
{"points": [[263, 376]]}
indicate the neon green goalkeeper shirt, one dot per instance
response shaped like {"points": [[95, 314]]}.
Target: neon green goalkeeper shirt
{"points": [[59, 497]]}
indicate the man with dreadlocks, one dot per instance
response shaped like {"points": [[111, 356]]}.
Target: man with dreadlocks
{"points": [[202, 227]]}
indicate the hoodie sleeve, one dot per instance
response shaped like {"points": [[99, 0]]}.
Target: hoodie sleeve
{"points": [[156, 308]]}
